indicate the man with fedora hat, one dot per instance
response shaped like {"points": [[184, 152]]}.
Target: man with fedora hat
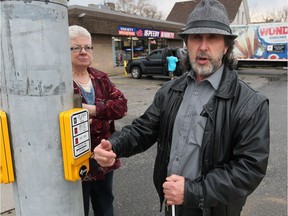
{"points": [[211, 129]]}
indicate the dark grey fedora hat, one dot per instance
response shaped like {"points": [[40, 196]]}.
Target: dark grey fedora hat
{"points": [[208, 17]]}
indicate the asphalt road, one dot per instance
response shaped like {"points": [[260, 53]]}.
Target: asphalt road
{"points": [[133, 182]]}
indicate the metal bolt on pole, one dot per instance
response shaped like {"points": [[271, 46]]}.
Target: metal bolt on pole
{"points": [[36, 85]]}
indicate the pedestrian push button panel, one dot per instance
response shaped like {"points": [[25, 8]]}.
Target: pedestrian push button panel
{"points": [[6, 166], [76, 143]]}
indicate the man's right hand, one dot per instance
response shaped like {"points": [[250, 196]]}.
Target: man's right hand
{"points": [[104, 154]]}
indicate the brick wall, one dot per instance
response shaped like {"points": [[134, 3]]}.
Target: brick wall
{"points": [[103, 56], [102, 52]]}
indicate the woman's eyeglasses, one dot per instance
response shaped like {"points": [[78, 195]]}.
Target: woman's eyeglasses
{"points": [[87, 48]]}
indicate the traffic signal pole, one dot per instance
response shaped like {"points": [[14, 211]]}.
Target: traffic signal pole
{"points": [[36, 85]]}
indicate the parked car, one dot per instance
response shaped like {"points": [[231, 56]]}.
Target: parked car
{"points": [[155, 63]]}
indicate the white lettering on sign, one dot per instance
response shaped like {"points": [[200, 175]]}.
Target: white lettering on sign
{"points": [[81, 148], [81, 128], [122, 28], [167, 34], [79, 118], [126, 33], [151, 33], [81, 138], [80, 133]]}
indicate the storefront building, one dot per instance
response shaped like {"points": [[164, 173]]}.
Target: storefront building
{"points": [[118, 37]]}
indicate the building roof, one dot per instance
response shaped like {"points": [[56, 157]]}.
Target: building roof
{"points": [[103, 21], [181, 10]]}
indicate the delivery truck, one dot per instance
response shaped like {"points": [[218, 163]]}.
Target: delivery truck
{"points": [[261, 44]]}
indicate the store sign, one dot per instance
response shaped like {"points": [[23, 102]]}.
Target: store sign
{"points": [[126, 31], [140, 32], [167, 34], [151, 33]]}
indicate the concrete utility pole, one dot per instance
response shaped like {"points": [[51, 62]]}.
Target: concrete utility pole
{"points": [[36, 85]]}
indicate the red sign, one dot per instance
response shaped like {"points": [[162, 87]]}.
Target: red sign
{"points": [[167, 34]]}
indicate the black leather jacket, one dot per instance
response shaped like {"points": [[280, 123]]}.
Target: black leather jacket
{"points": [[235, 143]]}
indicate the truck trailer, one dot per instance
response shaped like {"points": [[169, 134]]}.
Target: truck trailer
{"points": [[261, 44]]}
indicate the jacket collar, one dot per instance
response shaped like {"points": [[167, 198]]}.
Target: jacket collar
{"points": [[226, 88], [96, 73], [228, 84], [180, 83]]}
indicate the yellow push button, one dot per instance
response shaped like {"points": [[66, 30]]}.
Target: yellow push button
{"points": [[6, 166], [76, 143]]}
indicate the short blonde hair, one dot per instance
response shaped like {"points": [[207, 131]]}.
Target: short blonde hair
{"points": [[76, 31]]}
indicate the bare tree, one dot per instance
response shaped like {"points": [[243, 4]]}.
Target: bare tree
{"points": [[139, 7], [275, 16], [253, 12], [284, 14], [272, 15]]}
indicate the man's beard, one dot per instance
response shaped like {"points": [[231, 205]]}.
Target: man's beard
{"points": [[209, 68]]}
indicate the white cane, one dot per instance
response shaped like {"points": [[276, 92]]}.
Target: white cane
{"points": [[173, 210]]}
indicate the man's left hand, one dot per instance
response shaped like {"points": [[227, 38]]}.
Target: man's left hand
{"points": [[174, 190]]}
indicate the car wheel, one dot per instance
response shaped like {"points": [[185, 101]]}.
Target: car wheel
{"points": [[136, 72]]}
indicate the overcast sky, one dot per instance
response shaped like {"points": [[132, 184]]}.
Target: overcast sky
{"points": [[165, 6]]}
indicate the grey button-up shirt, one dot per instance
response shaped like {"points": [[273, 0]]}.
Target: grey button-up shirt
{"points": [[186, 151]]}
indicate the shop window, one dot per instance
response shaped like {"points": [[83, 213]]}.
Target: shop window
{"points": [[141, 48], [119, 52]]}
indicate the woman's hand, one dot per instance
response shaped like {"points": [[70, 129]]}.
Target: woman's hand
{"points": [[90, 108]]}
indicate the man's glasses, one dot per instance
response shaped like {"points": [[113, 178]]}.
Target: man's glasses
{"points": [[87, 48]]}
